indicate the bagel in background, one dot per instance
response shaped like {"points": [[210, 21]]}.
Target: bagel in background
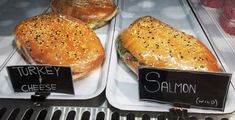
{"points": [[95, 13], [151, 42], [55, 40]]}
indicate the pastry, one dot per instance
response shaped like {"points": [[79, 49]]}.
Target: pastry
{"points": [[95, 13], [55, 40], [151, 42]]}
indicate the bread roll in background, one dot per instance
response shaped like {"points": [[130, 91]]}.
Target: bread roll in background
{"points": [[55, 40], [151, 42], [212, 3], [95, 13]]}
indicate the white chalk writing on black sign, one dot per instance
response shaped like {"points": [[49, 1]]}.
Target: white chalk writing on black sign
{"points": [[37, 70], [40, 87], [212, 102], [168, 87]]}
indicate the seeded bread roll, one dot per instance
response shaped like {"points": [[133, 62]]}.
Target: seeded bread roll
{"points": [[150, 42], [55, 40], [95, 13]]}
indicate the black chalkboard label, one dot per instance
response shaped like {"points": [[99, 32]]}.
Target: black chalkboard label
{"points": [[195, 89], [41, 78]]}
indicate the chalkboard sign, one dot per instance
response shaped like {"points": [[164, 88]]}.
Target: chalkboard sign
{"points": [[196, 89], [41, 78]]}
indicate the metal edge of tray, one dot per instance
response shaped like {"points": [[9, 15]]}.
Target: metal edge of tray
{"points": [[174, 116], [21, 106], [53, 110], [84, 101]]}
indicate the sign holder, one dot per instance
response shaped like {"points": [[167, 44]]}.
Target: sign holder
{"points": [[181, 105], [178, 114], [39, 96]]}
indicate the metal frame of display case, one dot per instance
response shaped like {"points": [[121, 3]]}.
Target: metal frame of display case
{"points": [[96, 108], [19, 109]]}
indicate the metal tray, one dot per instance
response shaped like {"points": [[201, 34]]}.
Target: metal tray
{"points": [[122, 86], [87, 88]]}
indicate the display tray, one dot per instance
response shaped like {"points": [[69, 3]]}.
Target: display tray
{"points": [[122, 85], [224, 42], [88, 87], [213, 15]]}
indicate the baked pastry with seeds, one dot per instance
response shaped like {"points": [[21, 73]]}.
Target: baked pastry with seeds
{"points": [[150, 42], [55, 40], [96, 13]]}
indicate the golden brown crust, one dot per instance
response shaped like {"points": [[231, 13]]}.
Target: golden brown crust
{"points": [[51, 39], [85, 10], [157, 44]]}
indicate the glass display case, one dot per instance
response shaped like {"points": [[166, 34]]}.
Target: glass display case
{"points": [[111, 92]]}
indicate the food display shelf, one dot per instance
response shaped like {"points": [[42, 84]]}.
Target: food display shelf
{"points": [[122, 86], [89, 87], [98, 107]]}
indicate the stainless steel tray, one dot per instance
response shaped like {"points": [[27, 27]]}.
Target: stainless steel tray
{"points": [[122, 86]]}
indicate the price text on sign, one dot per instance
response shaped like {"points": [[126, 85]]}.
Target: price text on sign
{"points": [[197, 89], [41, 78]]}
